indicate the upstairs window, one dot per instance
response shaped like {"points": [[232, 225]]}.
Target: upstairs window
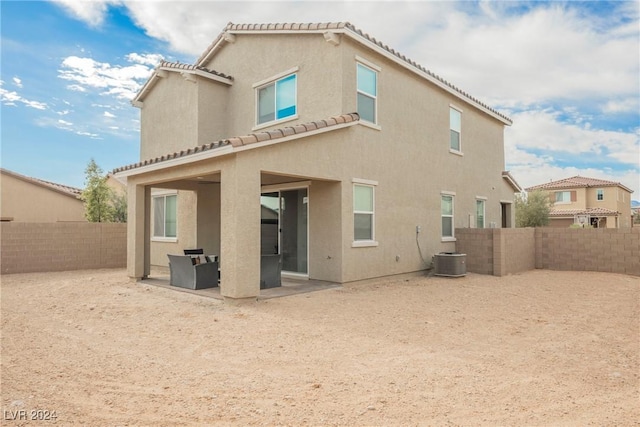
{"points": [[455, 129], [600, 194], [165, 216], [563, 196], [277, 100], [367, 93]]}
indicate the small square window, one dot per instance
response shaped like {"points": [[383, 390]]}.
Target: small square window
{"points": [[563, 197], [277, 100], [600, 194]]}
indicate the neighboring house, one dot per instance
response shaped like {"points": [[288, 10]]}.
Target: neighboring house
{"points": [[27, 199], [369, 160], [588, 201], [117, 185]]}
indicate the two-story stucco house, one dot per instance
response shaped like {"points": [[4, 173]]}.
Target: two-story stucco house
{"points": [[588, 202], [367, 161]]}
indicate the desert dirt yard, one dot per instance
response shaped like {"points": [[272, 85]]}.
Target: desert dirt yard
{"points": [[539, 348]]}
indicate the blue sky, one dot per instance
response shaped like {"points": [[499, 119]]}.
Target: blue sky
{"points": [[565, 72]]}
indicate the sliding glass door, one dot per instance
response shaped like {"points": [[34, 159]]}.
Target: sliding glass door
{"points": [[284, 228]]}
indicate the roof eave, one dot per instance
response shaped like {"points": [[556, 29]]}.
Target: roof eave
{"points": [[512, 181], [157, 74], [233, 145], [346, 29], [426, 75]]}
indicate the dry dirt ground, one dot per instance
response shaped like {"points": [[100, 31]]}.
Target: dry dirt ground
{"points": [[539, 348]]}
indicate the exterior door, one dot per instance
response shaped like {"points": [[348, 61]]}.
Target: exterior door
{"points": [[284, 228]]}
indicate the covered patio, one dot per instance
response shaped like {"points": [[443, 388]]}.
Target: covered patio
{"points": [[290, 286], [240, 203]]}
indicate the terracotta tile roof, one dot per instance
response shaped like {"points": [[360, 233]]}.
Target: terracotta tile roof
{"points": [[252, 138], [577, 182], [189, 67], [60, 188], [350, 30], [178, 67], [589, 211]]}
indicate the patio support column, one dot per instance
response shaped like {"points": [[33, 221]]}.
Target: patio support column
{"points": [[138, 229], [240, 231]]}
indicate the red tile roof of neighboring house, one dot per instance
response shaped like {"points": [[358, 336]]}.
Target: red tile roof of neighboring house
{"points": [[589, 211], [353, 32], [253, 138], [60, 188], [577, 182]]}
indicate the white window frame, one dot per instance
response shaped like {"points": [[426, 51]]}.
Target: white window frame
{"points": [[273, 80], [562, 202], [376, 70], [484, 211], [357, 182], [164, 238], [600, 194], [453, 150], [451, 238]]}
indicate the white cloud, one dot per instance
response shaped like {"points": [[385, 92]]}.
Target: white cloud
{"points": [[90, 11], [152, 59], [519, 56], [12, 98], [17, 82], [543, 130], [387, 21], [538, 141], [64, 123], [108, 115], [519, 60], [122, 82], [89, 134]]}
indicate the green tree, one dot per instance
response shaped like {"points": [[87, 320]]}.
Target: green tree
{"points": [[532, 209], [97, 195], [119, 203]]}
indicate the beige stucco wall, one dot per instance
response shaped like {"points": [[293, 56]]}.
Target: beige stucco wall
{"points": [[407, 156], [180, 113], [25, 202], [253, 59]]}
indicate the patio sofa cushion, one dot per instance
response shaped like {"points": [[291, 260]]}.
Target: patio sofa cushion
{"points": [[184, 274]]}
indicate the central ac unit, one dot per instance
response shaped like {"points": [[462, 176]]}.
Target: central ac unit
{"points": [[450, 264]]}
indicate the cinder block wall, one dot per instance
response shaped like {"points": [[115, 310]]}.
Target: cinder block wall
{"points": [[477, 243], [615, 250], [32, 247], [497, 251], [512, 250], [518, 250]]}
